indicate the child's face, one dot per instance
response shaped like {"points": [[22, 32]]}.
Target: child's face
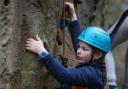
{"points": [[84, 53]]}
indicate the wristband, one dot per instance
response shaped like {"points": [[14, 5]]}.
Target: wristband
{"points": [[42, 55]]}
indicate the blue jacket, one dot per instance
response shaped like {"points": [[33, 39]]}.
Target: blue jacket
{"points": [[82, 75]]}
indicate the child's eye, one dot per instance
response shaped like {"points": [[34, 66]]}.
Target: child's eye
{"points": [[85, 49]]}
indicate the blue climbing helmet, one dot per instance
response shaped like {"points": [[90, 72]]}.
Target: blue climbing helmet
{"points": [[96, 37]]}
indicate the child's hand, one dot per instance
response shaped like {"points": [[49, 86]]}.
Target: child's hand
{"points": [[70, 6], [35, 46]]}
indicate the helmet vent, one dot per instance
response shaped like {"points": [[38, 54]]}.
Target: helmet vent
{"points": [[95, 36]]}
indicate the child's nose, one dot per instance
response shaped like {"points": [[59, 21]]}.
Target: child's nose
{"points": [[78, 51]]}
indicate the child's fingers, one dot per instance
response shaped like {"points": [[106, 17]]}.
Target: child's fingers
{"points": [[31, 40], [70, 6], [27, 45], [67, 3], [37, 37], [28, 48]]}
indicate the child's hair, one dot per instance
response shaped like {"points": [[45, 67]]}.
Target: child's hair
{"points": [[101, 63], [102, 66]]}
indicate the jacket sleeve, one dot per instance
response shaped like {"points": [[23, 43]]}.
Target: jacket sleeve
{"points": [[75, 31], [78, 76]]}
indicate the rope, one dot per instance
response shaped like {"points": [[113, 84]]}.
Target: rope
{"points": [[64, 29]]}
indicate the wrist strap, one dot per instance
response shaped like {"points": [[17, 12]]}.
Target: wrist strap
{"points": [[42, 55]]}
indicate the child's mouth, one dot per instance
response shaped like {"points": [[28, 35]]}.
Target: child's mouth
{"points": [[78, 58]]}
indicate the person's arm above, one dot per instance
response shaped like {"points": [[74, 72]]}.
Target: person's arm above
{"points": [[75, 31], [74, 25]]}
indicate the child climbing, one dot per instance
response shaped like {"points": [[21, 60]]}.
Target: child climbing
{"points": [[109, 63], [90, 45]]}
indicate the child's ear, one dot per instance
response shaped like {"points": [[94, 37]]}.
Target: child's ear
{"points": [[97, 55]]}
